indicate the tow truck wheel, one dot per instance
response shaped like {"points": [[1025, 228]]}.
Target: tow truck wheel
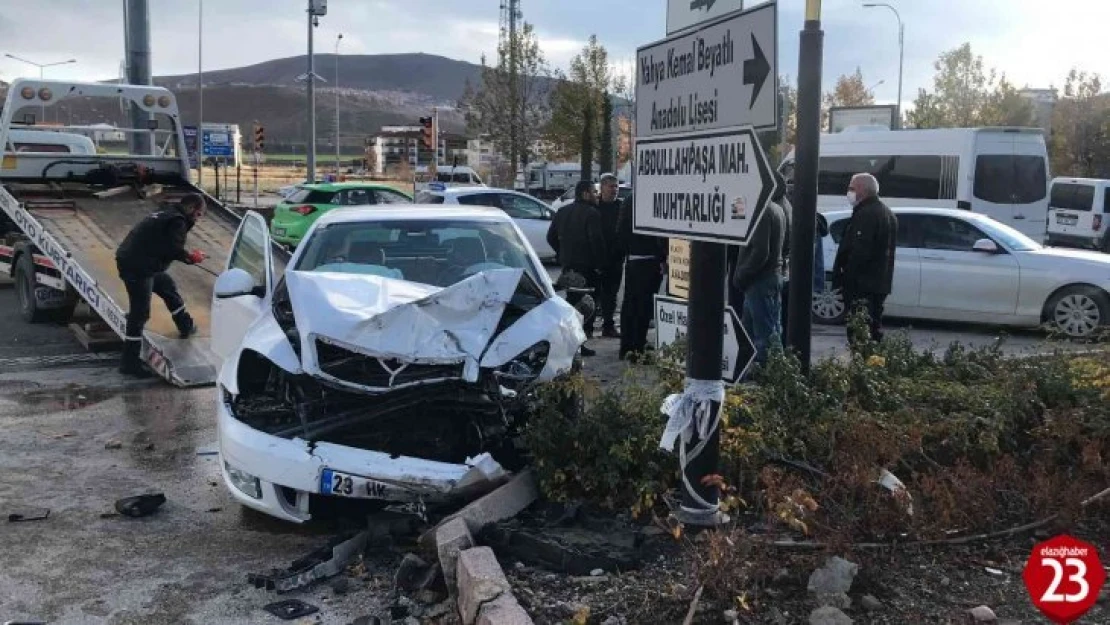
{"points": [[25, 285]]}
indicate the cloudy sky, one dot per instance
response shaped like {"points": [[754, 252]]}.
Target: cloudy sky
{"points": [[1033, 41]]}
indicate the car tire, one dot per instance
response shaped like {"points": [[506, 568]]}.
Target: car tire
{"points": [[1078, 311], [829, 307]]}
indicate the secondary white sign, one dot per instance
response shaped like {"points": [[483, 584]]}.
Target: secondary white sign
{"points": [[721, 74], [671, 324], [710, 186], [682, 14]]}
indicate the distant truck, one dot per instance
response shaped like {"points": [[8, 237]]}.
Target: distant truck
{"points": [[64, 211], [548, 181]]}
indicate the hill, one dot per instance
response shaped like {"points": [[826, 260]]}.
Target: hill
{"points": [[435, 77]]}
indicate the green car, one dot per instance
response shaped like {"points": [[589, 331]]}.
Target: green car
{"points": [[294, 215]]}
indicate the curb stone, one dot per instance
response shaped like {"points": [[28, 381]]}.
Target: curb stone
{"points": [[485, 597]]}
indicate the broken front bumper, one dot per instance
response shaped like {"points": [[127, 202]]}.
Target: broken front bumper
{"points": [[282, 473]]}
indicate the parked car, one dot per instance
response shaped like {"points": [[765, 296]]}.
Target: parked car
{"points": [[623, 191], [295, 214], [394, 360], [532, 216], [955, 265], [1077, 213]]}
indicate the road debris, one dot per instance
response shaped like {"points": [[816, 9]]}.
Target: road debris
{"points": [[140, 505], [290, 609], [327, 561], [39, 514]]}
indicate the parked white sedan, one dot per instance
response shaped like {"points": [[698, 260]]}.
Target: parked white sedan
{"points": [[532, 216], [955, 265], [394, 358]]}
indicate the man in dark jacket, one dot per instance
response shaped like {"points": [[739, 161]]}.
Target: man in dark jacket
{"points": [[758, 274], [142, 260], [864, 267], [609, 207], [645, 260], [577, 236]]}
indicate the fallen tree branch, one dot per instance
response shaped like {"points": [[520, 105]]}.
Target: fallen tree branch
{"points": [[693, 607], [963, 540]]}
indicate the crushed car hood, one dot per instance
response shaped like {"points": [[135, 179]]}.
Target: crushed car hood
{"points": [[413, 323]]}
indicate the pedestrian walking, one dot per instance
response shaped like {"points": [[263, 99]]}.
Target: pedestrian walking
{"points": [[613, 266], [758, 274], [142, 260], [577, 236], [645, 262], [864, 267]]}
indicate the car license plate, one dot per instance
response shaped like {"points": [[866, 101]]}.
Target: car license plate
{"points": [[347, 485], [279, 232], [1067, 220]]}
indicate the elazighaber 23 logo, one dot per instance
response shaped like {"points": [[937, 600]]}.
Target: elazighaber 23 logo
{"points": [[1064, 577]]}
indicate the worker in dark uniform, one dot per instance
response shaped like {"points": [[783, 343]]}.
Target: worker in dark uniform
{"points": [[576, 235], [613, 265], [142, 260], [645, 261]]}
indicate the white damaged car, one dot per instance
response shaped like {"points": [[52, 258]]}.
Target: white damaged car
{"points": [[393, 358]]}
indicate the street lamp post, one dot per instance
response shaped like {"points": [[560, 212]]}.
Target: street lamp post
{"points": [[901, 49], [41, 67], [871, 89], [337, 40]]}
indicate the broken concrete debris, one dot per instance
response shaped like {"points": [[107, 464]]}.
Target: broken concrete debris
{"points": [[582, 552], [484, 593], [328, 561], [981, 614], [829, 585], [452, 538], [412, 570], [502, 503], [828, 615]]}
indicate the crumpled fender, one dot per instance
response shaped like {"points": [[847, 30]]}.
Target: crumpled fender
{"points": [[266, 337], [554, 321]]}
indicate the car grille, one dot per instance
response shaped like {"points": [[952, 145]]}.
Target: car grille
{"points": [[384, 373]]}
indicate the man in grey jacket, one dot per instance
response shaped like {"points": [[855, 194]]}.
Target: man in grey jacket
{"points": [[758, 275]]}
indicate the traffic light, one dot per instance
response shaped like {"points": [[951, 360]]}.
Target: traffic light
{"points": [[259, 138], [429, 141]]}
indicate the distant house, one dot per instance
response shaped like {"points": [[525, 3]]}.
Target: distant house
{"points": [[395, 145]]}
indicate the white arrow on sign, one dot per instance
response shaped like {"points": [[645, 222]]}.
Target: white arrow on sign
{"points": [[739, 350], [683, 14], [711, 186], [722, 74]]}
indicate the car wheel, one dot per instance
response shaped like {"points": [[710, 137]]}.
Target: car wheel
{"points": [[26, 284], [1078, 311], [828, 305]]}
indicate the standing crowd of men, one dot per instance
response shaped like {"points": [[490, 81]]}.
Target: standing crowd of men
{"points": [[593, 237]]}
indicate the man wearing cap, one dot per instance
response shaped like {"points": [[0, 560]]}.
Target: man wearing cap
{"points": [[142, 260]]}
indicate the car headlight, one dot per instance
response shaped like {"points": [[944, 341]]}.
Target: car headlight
{"points": [[525, 368], [248, 484]]}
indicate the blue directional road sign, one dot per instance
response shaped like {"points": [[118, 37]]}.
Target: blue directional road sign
{"points": [[217, 143]]}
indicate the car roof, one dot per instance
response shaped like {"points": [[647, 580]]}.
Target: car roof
{"points": [[412, 212], [909, 210], [472, 191], [350, 184]]}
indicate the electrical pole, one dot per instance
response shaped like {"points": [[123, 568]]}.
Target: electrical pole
{"points": [[310, 163], [799, 319], [138, 70], [200, 95], [337, 40]]}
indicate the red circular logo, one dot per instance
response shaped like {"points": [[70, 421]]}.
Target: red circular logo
{"points": [[1064, 577]]}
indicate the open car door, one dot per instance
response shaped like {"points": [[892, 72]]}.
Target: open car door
{"points": [[244, 287]]}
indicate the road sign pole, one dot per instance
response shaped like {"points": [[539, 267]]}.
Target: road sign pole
{"points": [[257, 161], [705, 345], [799, 319]]}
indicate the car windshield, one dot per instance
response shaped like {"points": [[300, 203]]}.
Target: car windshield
{"points": [[435, 252], [1007, 236]]}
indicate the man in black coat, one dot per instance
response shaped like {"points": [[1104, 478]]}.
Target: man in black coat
{"points": [[610, 206], [576, 234], [864, 267], [645, 261], [142, 260]]}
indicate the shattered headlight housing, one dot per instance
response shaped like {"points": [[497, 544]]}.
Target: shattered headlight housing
{"points": [[524, 368]]}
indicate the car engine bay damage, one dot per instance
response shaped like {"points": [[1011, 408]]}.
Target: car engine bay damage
{"points": [[446, 421]]}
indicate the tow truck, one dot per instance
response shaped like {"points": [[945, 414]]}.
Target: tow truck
{"points": [[64, 213]]}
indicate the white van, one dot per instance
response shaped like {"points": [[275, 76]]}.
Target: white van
{"points": [[998, 172], [1077, 213], [447, 177], [24, 140]]}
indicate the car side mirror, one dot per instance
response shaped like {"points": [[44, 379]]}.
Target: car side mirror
{"points": [[986, 246], [234, 283]]}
